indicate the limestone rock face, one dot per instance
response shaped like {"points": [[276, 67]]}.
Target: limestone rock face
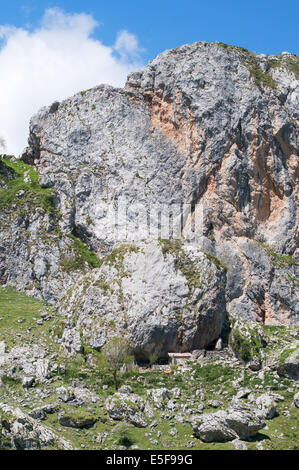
{"points": [[31, 252], [159, 302], [201, 146], [210, 126]]}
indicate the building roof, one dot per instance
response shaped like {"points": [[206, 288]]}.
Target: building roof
{"points": [[186, 354]]}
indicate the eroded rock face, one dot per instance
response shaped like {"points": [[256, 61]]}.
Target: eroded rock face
{"points": [[159, 301], [200, 146], [197, 126], [31, 252]]}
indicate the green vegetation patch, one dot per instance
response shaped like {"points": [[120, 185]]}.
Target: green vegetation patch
{"points": [[17, 313], [251, 62], [286, 62], [219, 265], [245, 348], [117, 256], [83, 256], [233, 48], [288, 352], [185, 264], [26, 195], [80, 257], [261, 78], [279, 261], [182, 261], [211, 373]]}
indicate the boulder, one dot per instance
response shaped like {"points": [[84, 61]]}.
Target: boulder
{"points": [[71, 341], [22, 432], [42, 412], [289, 368], [130, 408], [176, 298], [266, 406], [42, 369], [65, 394], [79, 420], [238, 422], [158, 396], [27, 382], [296, 400]]}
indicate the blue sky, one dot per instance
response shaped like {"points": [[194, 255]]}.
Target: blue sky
{"points": [[267, 26], [51, 49]]}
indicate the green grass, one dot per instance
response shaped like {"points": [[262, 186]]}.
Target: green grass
{"points": [[207, 378], [213, 372], [279, 261], [33, 194], [283, 431], [244, 347], [18, 325], [80, 257], [18, 312]]}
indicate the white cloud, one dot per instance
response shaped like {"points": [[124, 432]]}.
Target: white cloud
{"points": [[126, 45], [53, 62]]}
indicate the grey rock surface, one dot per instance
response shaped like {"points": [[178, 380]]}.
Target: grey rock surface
{"points": [[296, 400], [129, 407], [26, 433], [290, 366], [237, 422], [201, 146], [266, 406], [79, 422], [198, 127], [144, 295]]}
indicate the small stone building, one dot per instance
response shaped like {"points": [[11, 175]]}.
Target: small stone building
{"points": [[179, 358]]}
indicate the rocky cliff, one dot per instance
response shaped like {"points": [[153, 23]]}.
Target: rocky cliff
{"points": [[154, 210]]}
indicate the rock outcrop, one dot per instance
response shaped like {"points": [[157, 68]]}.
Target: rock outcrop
{"points": [[21, 432], [129, 407], [160, 302], [198, 151], [236, 422], [289, 362]]}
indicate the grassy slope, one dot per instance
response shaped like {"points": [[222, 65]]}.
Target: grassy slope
{"points": [[29, 190], [213, 376], [17, 313]]}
